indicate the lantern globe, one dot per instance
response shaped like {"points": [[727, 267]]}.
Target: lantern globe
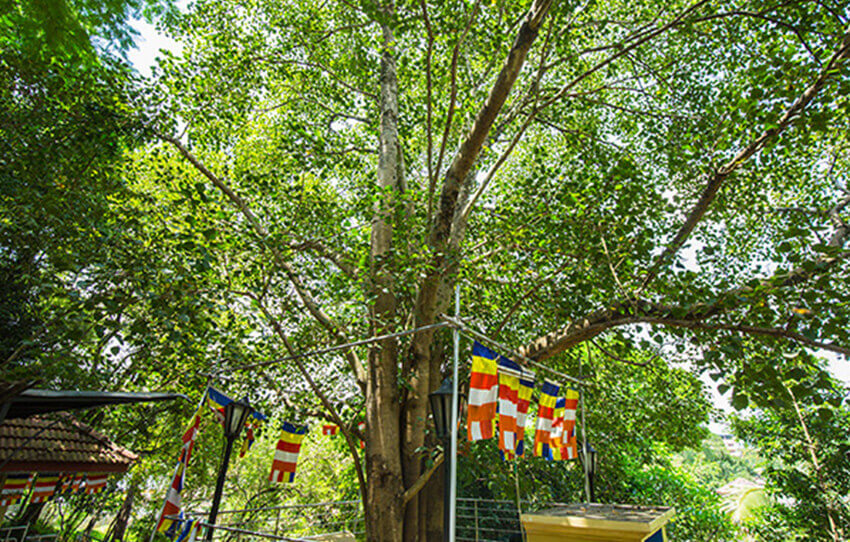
{"points": [[441, 408], [235, 415]]}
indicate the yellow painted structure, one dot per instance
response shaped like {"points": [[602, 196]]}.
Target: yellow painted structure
{"points": [[598, 523]]}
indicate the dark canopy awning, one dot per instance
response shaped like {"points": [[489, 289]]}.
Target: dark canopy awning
{"points": [[30, 402]]}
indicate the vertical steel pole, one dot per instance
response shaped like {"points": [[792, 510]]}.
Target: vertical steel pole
{"points": [[453, 457], [475, 503], [583, 406], [447, 484], [219, 487]]}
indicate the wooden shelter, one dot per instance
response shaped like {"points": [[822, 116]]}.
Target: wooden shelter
{"points": [[58, 443]]}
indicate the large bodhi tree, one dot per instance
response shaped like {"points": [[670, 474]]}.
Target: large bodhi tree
{"points": [[668, 170]]}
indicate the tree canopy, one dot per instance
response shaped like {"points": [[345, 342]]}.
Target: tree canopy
{"points": [[625, 178]]}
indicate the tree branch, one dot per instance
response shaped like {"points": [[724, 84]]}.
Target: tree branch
{"points": [[637, 311], [320, 394], [334, 329], [453, 96], [470, 149], [717, 179], [420, 482], [646, 36], [432, 179]]}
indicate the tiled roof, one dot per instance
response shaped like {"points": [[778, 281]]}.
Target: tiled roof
{"points": [[58, 443]]}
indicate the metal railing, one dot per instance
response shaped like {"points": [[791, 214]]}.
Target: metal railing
{"points": [[484, 520], [478, 520], [301, 521], [13, 534]]}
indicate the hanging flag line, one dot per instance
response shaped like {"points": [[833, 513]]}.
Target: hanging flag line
{"points": [[471, 333], [339, 347]]}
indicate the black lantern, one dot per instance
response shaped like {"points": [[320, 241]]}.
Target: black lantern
{"points": [[235, 415], [588, 458], [441, 408]]}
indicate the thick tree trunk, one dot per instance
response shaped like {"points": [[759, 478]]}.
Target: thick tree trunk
{"points": [[435, 291], [384, 508]]}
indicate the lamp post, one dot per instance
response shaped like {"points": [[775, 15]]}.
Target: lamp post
{"points": [[588, 459], [441, 408], [235, 415]]}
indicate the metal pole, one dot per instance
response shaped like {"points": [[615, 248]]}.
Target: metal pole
{"points": [[219, 487], [475, 503], [447, 492], [582, 404], [453, 463]]}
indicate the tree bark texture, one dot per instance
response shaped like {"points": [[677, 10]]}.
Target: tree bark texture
{"points": [[384, 508]]}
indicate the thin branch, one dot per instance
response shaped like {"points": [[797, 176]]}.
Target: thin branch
{"points": [[328, 254], [453, 95], [333, 31], [749, 330], [420, 482], [622, 360], [331, 73], [717, 179], [528, 293], [319, 393], [432, 180], [306, 298], [563, 92]]}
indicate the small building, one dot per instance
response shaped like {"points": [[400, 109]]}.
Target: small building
{"points": [[45, 451], [58, 443], [598, 523]]}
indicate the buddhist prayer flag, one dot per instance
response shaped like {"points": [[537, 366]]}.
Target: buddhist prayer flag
{"points": [[70, 483], [249, 437], [545, 417], [172, 497], [191, 528], [14, 488], [526, 388], [555, 440], [77, 482], [188, 437], [286, 455], [330, 429], [95, 483], [509, 374], [568, 438], [483, 393], [217, 401], [44, 488]]}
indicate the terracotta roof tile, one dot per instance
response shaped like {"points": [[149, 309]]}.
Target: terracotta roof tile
{"points": [[56, 440]]}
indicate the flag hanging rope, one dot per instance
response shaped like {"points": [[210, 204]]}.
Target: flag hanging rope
{"points": [[336, 348], [472, 334]]}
